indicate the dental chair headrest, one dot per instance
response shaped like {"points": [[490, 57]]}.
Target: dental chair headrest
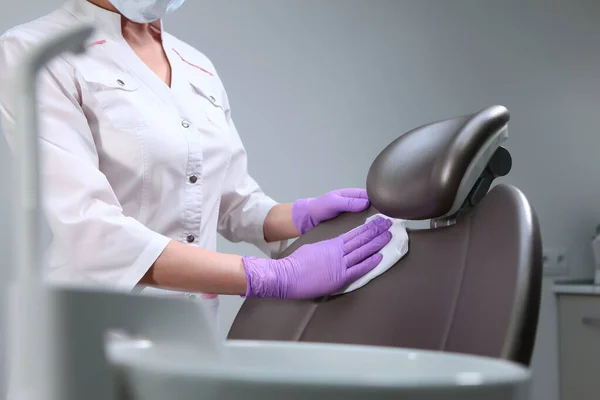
{"points": [[441, 170]]}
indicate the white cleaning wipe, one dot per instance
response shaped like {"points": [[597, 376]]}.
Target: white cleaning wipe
{"points": [[392, 252]]}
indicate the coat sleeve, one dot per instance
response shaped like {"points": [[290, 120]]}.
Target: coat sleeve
{"points": [[244, 205], [98, 243]]}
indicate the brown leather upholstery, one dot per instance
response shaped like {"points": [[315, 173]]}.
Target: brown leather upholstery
{"points": [[473, 287]]}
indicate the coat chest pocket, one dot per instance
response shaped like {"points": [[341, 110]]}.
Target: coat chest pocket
{"points": [[210, 101], [118, 97]]}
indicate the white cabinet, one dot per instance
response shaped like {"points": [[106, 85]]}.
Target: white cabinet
{"points": [[579, 346]]}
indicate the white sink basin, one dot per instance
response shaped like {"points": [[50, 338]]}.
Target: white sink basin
{"points": [[249, 370]]}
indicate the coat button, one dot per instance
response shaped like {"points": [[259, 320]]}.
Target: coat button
{"points": [[190, 238], [120, 82], [212, 99], [185, 124], [193, 178]]}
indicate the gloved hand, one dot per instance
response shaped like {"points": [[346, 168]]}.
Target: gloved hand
{"points": [[320, 268], [308, 213]]}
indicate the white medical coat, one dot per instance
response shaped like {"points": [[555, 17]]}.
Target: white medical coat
{"points": [[128, 162]]}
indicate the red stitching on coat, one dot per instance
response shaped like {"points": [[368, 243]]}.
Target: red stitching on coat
{"points": [[193, 65], [97, 43]]}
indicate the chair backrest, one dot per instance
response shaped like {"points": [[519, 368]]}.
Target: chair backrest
{"points": [[470, 284], [473, 287]]}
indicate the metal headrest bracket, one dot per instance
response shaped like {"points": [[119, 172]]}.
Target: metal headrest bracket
{"points": [[499, 165]]}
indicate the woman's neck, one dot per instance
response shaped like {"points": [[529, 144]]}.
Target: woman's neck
{"points": [[106, 4], [135, 33]]}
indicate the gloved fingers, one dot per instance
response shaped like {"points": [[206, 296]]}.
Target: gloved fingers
{"points": [[365, 234], [364, 267], [340, 204], [346, 237], [364, 239], [368, 249], [355, 205], [353, 193]]}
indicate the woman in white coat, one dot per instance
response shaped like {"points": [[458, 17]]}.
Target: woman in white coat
{"points": [[142, 166]]}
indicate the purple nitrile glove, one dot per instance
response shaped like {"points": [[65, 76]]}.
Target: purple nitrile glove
{"points": [[308, 213], [320, 268]]}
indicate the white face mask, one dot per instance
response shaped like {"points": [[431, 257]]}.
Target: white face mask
{"points": [[146, 11]]}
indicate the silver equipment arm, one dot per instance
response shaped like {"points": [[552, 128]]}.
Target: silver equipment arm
{"points": [[28, 217], [26, 374]]}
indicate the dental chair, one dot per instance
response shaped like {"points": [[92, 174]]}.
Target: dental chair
{"points": [[469, 284]]}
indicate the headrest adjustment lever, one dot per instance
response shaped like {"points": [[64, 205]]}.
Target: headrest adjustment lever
{"points": [[499, 165]]}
